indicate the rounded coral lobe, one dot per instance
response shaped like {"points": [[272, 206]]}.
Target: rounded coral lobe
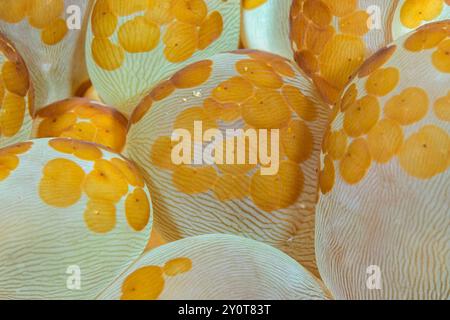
{"points": [[385, 160], [126, 37], [331, 39], [265, 124], [82, 119], [211, 262], [84, 198]]}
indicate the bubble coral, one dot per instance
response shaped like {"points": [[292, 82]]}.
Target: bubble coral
{"points": [[221, 266], [385, 175], [81, 206], [239, 90]]}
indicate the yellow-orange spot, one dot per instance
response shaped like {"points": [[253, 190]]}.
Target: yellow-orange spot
{"points": [[162, 90], [266, 110], [15, 78], [282, 67], [55, 126], [341, 8], [382, 81], [340, 58], [210, 30], [2, 90], [141, 110], [230, 112], [377, 60], [107, 55], [361, 116], [242, 159], [426, 38], [126, 7], [111, 130], [236, 89], [81, 131], [8, 163], [318, 37], [259, 73], [442, 108], [100, 216], [274, 192], [9, 160], [328, 92], [426, 153], [304, 107], [130, 172], [177, 266], [181, 40], [82, 108], [337, 144], [146, 283], [318, 12], [349, 97], [299, 28], [55, 32], [253, 4], [81, 150], [226, 112], [12, 114], [56, 109], [297, 140], [18, 148], [355, 23], [103, 20], [441, 57], [161, 153], [413, 12], [212, 108], [193, 75], [137, 209], [139, 35], [60, 185], [190, 11], [41, 13], [4, 173], [187, 118], [327, 176], [229, 187], [385, 140], [13, 11], [204, 178], [356, 162], [307, 61], [409, 107], [159, 11], [105, 182]]}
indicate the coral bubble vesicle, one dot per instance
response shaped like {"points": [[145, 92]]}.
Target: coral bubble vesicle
{"points": [[221, 267], [81, 207], [50, 35], [385, 175], [331, 39], [265, 188], [82, 119], [133, 45]]}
